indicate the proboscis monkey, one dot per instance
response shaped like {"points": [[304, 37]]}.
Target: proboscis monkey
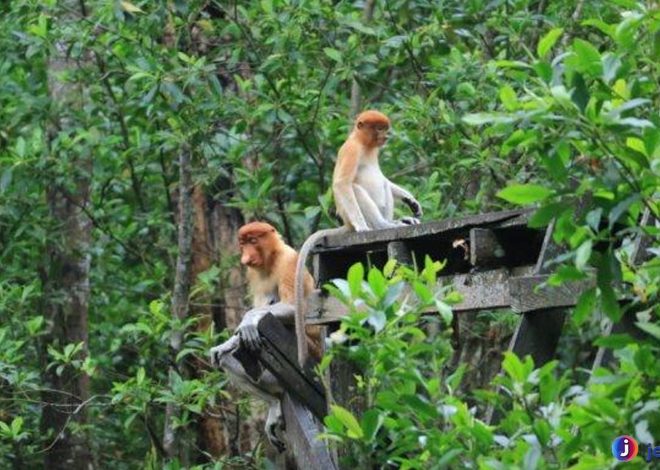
{"points": [[364, 198], [271, 269]]}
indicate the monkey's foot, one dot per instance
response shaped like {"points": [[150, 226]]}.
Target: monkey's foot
{"points": [[409, 221], [275, 427]]}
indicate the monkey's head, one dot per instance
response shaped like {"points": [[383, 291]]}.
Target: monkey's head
{"points": [[372, 128], [258, 242]]}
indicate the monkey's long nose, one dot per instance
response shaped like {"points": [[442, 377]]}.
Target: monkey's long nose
{"points": [[246, 260]]}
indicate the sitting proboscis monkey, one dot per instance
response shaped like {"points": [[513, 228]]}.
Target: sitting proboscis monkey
{"points": [[364, 198], [271, 270]]}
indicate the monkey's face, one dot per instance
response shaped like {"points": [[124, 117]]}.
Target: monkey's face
{"points": [[375, 135], [257, 241], [380, 134], [252, 254]]}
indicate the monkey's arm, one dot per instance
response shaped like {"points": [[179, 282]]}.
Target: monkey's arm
{"points": [[399, 193], [342, 188], [248, 329]]}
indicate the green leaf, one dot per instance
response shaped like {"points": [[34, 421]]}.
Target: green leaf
{"points": [[524, 193], [582, 254], [377, 320], [508, 97], [601, 25], [334, 54], [129, 7], [588, 57], [651, 328], [354, 278], [547, 41], [585, 306], [16, 425], [609, 303], [377, 282], [542, 217], [513, 367], [5, 179], [348, 420], [371, 423], [621, 208], [614, 341], [478, 119]]}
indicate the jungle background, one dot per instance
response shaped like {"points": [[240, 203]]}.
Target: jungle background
{"points": [[114, 114]]}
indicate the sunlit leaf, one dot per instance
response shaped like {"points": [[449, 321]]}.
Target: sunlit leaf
{"points": [[524, 193]]}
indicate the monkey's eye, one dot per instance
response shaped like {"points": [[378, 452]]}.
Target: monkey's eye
{"points": [[252, 241]]}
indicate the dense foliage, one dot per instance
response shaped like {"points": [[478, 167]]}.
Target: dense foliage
{"points": [[537, 102]]}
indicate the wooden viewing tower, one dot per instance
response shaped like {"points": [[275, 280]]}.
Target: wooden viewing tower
{"points": [[494, 260]]}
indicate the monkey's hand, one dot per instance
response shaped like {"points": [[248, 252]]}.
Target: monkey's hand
{"points": [[248, 331], [415, 207], [219, 351]]}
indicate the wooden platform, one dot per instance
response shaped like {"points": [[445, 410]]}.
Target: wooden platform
{"points": [[492, 261]]}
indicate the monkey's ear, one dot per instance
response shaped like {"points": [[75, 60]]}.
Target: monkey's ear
{"points": [[360, 125]]}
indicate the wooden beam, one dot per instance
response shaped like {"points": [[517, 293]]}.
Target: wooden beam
{"points": [[527, 296], [279, 356], [362, 240], [302, 432], [480, 290]]}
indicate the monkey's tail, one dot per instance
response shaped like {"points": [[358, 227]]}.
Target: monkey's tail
{"points": [[301, 299]]}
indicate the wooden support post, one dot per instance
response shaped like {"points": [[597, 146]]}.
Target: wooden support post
{"points": [[399, 251], [302, 436], [485, 250], [539, 330]]}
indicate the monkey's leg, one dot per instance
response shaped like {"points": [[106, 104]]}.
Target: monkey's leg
{"points": [[265, 387], [370, 211], [399, 193]]}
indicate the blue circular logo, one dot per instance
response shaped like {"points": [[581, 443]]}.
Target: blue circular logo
{"points": [[624, 448]]}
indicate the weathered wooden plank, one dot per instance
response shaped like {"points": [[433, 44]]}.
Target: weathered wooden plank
{"points": [[485, 250], [379, 237], [302, 431], [278, 355], [527, 296], [480, 291]]}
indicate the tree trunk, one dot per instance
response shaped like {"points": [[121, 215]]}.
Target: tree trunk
{"points": [[211, 433], [356, 98], [171, 440], [66, 277]]}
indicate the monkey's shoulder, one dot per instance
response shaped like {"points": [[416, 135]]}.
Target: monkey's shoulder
{"points": [[352, 147]]}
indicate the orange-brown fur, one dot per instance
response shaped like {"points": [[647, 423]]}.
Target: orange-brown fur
{"points": [[271, 271], [364, 197]]}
